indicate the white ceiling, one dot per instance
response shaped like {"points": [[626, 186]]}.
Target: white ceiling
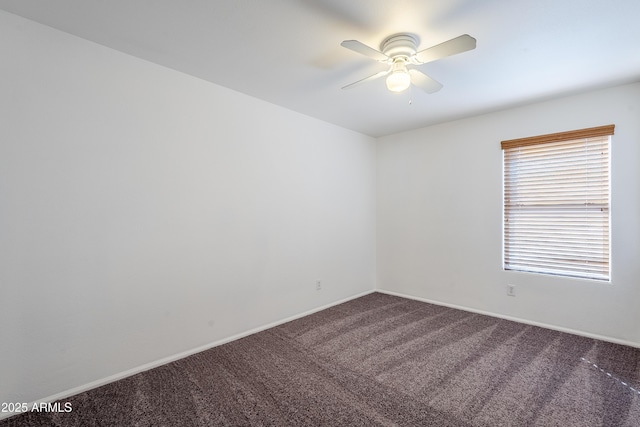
{"points": [[288, 52]]}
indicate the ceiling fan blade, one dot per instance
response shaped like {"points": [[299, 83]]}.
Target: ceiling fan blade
{"points": [[367, 79], [365, 50], [460, 44], [424, 82]]}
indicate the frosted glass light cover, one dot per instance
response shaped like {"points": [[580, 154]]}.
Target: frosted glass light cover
{"points": [[398, 81]]}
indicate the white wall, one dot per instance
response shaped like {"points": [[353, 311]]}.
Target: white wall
{"points": [[145, 213], [439, 210]]}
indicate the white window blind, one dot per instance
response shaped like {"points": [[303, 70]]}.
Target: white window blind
{"points": [[556, 203]]}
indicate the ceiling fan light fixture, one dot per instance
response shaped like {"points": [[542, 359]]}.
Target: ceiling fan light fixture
{"points": [[399, 80]]}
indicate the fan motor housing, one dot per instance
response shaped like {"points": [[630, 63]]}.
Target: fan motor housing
{"points": [[400, 45]]}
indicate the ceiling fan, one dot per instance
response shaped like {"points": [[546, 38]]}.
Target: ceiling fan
{"points": [[400, 52]]}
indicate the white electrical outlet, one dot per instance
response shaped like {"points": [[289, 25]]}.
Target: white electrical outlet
{"points": [[318, 285], [511, 290]]}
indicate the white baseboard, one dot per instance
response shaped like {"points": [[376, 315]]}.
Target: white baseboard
{"points": [[145, 367], [515, 319]]}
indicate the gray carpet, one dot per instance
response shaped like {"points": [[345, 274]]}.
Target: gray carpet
{"points": [[377, 360]]}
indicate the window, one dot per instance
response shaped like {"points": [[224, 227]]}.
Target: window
{"points": [[556, 203]]}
